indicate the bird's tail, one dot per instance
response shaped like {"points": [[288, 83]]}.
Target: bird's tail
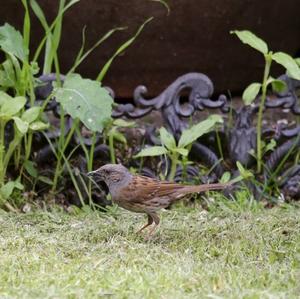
{"points": [[202, 188]]}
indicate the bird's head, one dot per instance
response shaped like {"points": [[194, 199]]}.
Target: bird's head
{"points": [[110, 174]]}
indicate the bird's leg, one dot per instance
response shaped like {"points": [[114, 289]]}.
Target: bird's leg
{"points": [[156, 223], [150, 221]]}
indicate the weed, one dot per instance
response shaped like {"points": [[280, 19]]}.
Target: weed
{"points": [[253, 89], [175, 151]]}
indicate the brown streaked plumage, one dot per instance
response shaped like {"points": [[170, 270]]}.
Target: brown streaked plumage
{"points": [[141, 194]]}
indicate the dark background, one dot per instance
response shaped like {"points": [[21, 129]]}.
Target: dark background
{"points": [[194, 37]]}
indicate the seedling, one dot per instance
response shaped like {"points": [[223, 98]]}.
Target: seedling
{"points": [[113, 134], [252, 91], [176, 151]]}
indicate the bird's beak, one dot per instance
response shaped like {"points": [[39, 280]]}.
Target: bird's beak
{"points": [[94, 174]]}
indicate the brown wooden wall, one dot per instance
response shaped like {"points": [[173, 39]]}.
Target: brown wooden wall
{"points": [[194, 37]]}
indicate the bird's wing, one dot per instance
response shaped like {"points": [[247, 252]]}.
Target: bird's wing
{"points": [[145, 188]]}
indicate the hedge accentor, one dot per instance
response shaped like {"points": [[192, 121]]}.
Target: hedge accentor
{"points": [[141, 194]]}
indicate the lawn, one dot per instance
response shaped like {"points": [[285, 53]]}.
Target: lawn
{"points": [[228, 252]]}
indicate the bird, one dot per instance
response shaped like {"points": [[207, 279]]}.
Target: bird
{"points": [[142, 194]]}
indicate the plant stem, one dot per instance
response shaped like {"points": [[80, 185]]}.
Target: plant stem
{"points": [[219, 144], [111, 148], [268, 60], [12, 147], [92, 150], [2, 150], [61, 151], [174, 162], [90, 165]]}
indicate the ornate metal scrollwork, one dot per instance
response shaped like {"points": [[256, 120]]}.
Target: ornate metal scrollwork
{"points": [[242, 136], [193, 92], [200, 89]]}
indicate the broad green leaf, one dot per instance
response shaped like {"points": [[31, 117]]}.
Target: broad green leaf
{"points": [[251, 92], [152, 151], [9, 79], [225, 177], [297, 61], [38, 126], [30, 168], [119, 136], [4, 97], [182, 151], [288, 63], [18, 185], [12, 107], [247, 37], [4, 82], [7, 189], [244, 173], [85, 99], [167, 138], [21, 125], [192, 134], [31, 114], [277, 85], [119, 122], [11, 42]]}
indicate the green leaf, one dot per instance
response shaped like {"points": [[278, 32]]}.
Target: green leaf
{"points": [[87, 100], [12, 107], [182, 151], [192, 134], [11, 42], [4, 97], [7, 189], [21, 125], [31, 114], [297, 61], [271, 145], [4, 80], [277, 85], [38, 126], [34, 67], [119, 122], [225, 177], [247, 37], [288, 63], [119, 136], [31, 169], [237, 179], [18, 185], [152, 151], [251, 92], [167, 138], [8, 73], [45, 180], [244, 173], [164, 3], [121, 49]]}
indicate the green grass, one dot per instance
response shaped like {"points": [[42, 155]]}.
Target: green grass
{"points": [[225, 253]]}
